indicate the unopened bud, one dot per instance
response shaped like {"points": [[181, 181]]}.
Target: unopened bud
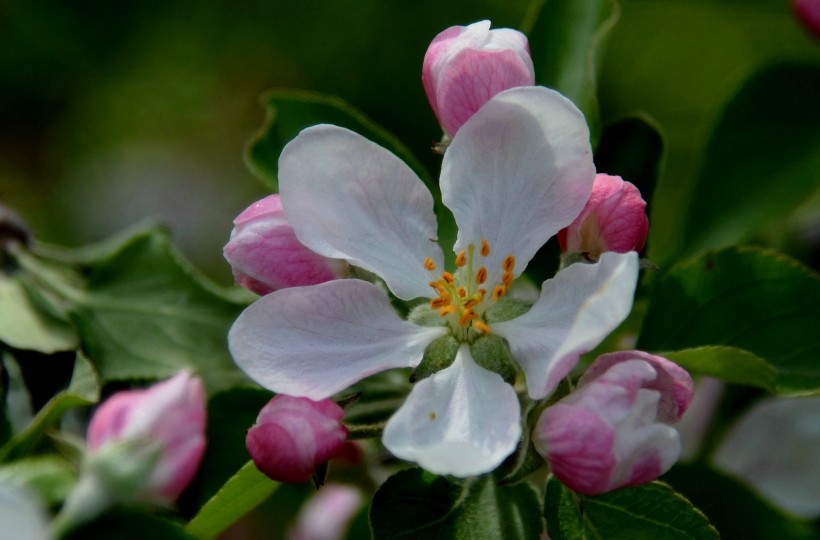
{"points": [[467, 65], [808, 13], [265, 254], [613, 431], [294, 435], [614, 219], [167, 419]]}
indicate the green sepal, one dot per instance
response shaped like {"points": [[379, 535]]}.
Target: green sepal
{"points": [[491, 352], [424, 315], [506, 308], [440, 354]]}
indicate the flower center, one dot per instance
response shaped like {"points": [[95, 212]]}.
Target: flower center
{"points": [[464, 296]]}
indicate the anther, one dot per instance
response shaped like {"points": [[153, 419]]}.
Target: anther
{"points": [[446, 310], [498, 292], [462, 292], [437, 286], [429, 264], [466, 317], [507, 279], [436, 303], [485, 247], [461, 259], [481, 276], [509, 263], [481, 326], [448, 277], [472, 302]]}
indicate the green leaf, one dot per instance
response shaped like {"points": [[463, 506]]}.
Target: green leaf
{"points": [[25, 325], [633, 149], [142, 311], [16, 400], [677, 79], [733, 509], [746, 298], [762, 161], [567, 38], [730, 364], [646, 512], [291, 111], [417, 504], [242, 493], [83, 390], [51, 477], [562, 512]]}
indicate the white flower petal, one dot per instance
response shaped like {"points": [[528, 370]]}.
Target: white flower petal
{"points": [[517, 172], [576, 310], [348, 198], [318, 340], [463, 421], [774, 448]]}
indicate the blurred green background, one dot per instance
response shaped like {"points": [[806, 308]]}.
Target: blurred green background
{"points": [[110, 114]]}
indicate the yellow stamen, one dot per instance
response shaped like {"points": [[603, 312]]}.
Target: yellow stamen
{"points": [[481, 276], [507, 279], [485, 247], [438, 286], [481, 326], [462, 292], [482, 292], [461, 259], [509, 263], [429, 264], [448, 277], [436, 303], [472, 302], [498, 292], [446, 310]]}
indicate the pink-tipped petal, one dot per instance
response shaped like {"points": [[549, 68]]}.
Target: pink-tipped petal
{"points": [[607, 433], [613, 219], [265, 254], [466, 66], [293, 436], [674, 383]]}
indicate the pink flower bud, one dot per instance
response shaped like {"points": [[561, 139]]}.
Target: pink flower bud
{"points": [[327, 514], [614, 219], [294, 435], [467, 65], [808, 12], [170, 414], [266, 255], [613, 431]]}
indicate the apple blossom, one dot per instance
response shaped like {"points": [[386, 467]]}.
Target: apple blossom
{"points": [[614, 219], [294, 435], [465, 66], [613, 430], [265, 254], [168, 417], [517, 172]]}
